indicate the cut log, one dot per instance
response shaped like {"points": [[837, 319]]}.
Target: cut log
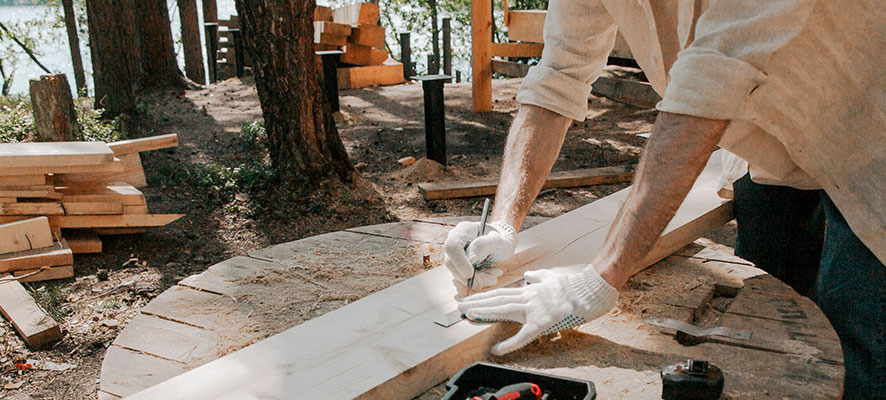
{"points": [[83, 241], [25, 235], [59, 154], [356, 14], [144, 144], [582, 177], [361, 55], [58, 254], [33, 324], [526, 25], [368, 35], [106, 221], [45, 274], [331, 28], [322, 13], [54, 117], [389, 73], [386, 344]]}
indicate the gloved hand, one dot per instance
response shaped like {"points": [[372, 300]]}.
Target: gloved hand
{"points": [[549, 303], [496, 245]]}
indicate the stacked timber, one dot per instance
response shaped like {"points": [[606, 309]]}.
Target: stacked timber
{"points": [[354, 29], [83, 189]]}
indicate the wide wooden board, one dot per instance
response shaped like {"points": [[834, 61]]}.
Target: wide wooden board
{"points": [[356, 14], [45, 274], [24, 235], [106, 167], [36, 327], [389, 73], [383, 346], [83, 241], [582, 177], [331, 28], [368, 35], [55, 255], [25, 155], [356, 54], [106, 221], [144, 144], [32, 208]]}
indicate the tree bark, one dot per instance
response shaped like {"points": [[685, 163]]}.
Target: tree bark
{"points": [[54, 117], [157, 50], [210, 11], [74, 43], [190, 22], [435, 68], [115, 54], [303, 141]]}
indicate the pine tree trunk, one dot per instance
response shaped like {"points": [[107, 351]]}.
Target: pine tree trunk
{"points": [[74, 43], [158, 53], [210, 11], [54, 117], [115, 54], [303, 141], [190, 23]]}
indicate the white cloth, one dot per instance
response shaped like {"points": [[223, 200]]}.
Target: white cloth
{"points": [[800, 80]]}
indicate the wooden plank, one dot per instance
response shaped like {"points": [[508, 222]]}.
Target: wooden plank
{"points": [[582, 177], [144, 144], [389, 73], [45, 274], [510, 68], [36, 191], [118, 231], [636, 93], [135, 209], [526, 25], [383, 346], [93, 208], [135, 371], [361, 55], [330, 40], [23, 180], [131, 173], [36, 327], [106, 221], [166, 339], [110, 166], [83, 241], [56, 255], [356, 14], [516, 49], [43, 154], [32, 208], [25, 235], [322, 13], [113, 192], [331, 28], [368, 35], [481, 55]]}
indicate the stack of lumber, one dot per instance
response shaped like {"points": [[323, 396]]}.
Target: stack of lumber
{"points": [[354, 29], [29, 253], [85, 188]]}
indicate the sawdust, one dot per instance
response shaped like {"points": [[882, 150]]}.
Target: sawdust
{"points": [[423, 170]]}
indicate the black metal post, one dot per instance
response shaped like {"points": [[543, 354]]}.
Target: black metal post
{"points": [[435, 121], [406, 55], [447, 47], [238, 51], [330, 76], [457, 76], [211, 29]]}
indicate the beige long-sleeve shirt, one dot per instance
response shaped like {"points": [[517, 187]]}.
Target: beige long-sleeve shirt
{"points": [[801, 81]]}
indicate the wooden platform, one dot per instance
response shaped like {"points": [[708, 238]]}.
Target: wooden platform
{"points": [[793, 351]]}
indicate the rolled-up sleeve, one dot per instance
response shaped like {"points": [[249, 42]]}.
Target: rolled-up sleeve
{"points": [[578, 35], [727, 61]]}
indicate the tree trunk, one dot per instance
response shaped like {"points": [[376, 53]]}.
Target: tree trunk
{"points": [[210, 11], [115, 54], [158, 52], [435, 68], [187, 9], [54, 117], [74, 43], [303, 141]]}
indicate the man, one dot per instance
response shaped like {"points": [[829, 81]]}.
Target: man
{"points": [[795, 87]]}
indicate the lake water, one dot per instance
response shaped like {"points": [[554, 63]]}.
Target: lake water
{"points": [[56, 56]]}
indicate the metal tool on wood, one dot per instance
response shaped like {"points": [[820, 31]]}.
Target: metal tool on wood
{"points": [[700, 333]]}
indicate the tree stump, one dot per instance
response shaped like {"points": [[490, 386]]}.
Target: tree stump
{"points": [[54, 116]]}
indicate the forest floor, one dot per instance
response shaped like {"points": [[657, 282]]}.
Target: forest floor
{"points": [[220, 179]]}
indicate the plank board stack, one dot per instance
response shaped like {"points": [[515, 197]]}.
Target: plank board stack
{"points": [[84, 189], [354, 29]]}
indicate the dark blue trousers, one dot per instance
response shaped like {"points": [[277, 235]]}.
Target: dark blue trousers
{"points": [[801, 238]]}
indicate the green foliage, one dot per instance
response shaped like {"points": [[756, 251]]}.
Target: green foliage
{"points": [[51, 298], [17, 121], [253, 133]]}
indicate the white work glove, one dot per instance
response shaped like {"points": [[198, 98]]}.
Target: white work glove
{"points": [[496, 245], [550, 302]]}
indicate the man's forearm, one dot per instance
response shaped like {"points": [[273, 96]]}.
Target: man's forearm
{"points": [[533, 144], [674, 157]]}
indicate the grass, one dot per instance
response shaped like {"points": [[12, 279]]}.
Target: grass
{"points": [[50, 298], [17, 121]]}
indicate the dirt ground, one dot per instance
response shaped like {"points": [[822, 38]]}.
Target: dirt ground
{"points": [[226, 217]]}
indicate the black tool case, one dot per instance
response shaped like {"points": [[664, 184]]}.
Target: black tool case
{"points": [[473, 378]]}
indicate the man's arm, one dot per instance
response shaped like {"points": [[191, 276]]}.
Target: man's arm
{"points": [[533, 144], [674, 157]]}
